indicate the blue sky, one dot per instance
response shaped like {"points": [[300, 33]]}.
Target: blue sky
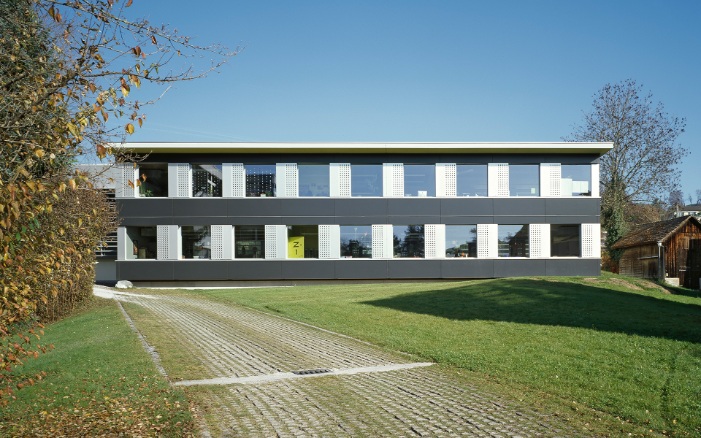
{"points": [[425, 70]]}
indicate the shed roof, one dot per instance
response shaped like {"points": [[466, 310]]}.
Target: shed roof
{"points": [[653, 232]]}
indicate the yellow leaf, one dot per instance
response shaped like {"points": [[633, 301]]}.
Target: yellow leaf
{"points": [[39, 153], [129, 128], [71, 182]]}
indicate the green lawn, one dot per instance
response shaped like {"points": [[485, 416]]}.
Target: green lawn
{"points": [[99, 382], [622, 347]]}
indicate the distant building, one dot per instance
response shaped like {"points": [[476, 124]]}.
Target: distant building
{"points": [[667, 250], [689, 210], [320, 211]]}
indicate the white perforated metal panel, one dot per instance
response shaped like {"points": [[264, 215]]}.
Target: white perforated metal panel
{"points": [[233, 180], [123, 243], [127, 176], [276, 242], [591, 240], [498, 179], [382, 242], [434, 241], [179, 180], [595, 180], [222, 242], [340, 178], [487, 241], [168, 242], [287, 180], [539, 240], [550, 177], [329, 242], [393, 180], [446, 179]]}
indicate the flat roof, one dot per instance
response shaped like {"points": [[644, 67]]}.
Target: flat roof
{"points": [[370, 148]]}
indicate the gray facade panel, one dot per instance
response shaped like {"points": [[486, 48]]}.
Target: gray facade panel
{"points": [[144, 270], [467, 268], [413, 207], [467, 220], [256, 207], [361, 269], [414, 268], [413, 220], [145, 207], [256, 220], [573, 267], [467, 207], [203, 207], [199, 220], [520, 220], [308, 269], [573, 219], [519, 207], [200, 270], [145, 221], [582, 206], [518, 268], [306, 207], [361, 207], [307, 220], [255, 270]]}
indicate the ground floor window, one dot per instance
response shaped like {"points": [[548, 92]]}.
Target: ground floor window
{"points": [[565, 240], [356, 241], [303, 242], [143, 243], [460, 241], [196, 240], [408, 241], [513, 241], [250, 241]]}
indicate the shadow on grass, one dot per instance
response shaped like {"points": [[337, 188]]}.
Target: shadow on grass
{"points": [[530, 301]]}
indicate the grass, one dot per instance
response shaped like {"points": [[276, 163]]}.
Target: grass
{"points": [[99, 381], [623, 347]]}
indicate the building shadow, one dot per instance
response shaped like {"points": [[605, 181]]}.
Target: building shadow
{"points": [[546, 302]]}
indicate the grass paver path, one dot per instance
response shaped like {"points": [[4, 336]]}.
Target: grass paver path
{"points": [[368, 391]]}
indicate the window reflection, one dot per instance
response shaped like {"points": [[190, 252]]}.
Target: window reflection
{"points": [[196, 242], [471, 180], [313, 179], [206, 180], [419, 180], [250, 241], [513, 241], [524, 180], [366, 180], [260, 180], [460, 241], [408, 241], [143, 243], [356, 241], [564, 240], [575, 180]]}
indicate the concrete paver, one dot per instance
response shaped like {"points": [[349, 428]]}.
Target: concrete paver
{"points": [[242, 348]]}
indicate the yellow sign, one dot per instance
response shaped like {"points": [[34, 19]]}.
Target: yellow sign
{"points": [[295, 247]]}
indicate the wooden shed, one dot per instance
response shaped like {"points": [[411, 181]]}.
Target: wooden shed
{"points": [[668, 250]]}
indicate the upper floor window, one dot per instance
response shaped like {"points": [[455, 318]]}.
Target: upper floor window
{"points": [[524, 180], [206, 180], [153, 180], [366, 180], [356, 241], [460, 241], [564, 240], [419, 180], [408, 241], [471, 180], [260, 180], [313, 179], [575, 180], [513, 241]]}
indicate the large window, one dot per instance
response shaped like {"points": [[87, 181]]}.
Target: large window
{"points": [[250, 241], [142, 242], [366, 180], [153, 180], [471, 180], [564, 240], [460, 241], [408, 241], [513, 241], [260, 180], [356, 241], [303, 242], [419, 180], [576, 180], [524, 180], [313, 179], [206, 180], [196, 241]]}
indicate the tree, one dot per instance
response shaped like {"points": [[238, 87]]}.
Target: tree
{"points": [[67, 71], [698, 196], [641, 166], [676, 199]]}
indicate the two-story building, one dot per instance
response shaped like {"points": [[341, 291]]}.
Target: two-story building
{"points": [[323, 211]]}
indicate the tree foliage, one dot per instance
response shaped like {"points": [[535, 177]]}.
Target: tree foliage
{"points": [[68, 70], [641, 167]]}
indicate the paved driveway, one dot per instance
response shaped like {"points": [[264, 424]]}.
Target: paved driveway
{"points": [[263, 375]]}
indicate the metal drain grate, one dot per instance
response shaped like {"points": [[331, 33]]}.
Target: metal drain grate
{"points": [[314, 371]]}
